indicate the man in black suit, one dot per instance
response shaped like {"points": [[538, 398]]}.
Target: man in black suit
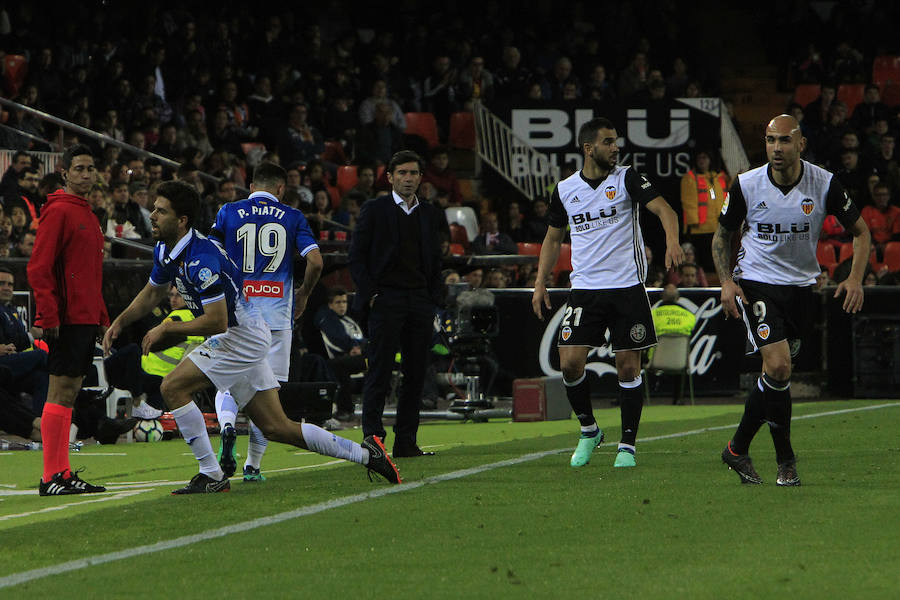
{"points": [[395, 262]]}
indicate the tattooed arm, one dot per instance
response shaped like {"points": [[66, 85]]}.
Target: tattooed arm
{"points": [[722, 257]]}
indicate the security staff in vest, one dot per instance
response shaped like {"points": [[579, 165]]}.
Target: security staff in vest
{"points": [[141, 375], [395, 262], [702, 195], [670, 318]]}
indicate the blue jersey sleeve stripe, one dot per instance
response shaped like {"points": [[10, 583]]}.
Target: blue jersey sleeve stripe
{"points": [[157, 284], [309, 249], [206, 301]]}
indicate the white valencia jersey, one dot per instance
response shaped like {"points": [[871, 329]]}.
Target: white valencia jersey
{"points": [[607, 246], [782, 224]]}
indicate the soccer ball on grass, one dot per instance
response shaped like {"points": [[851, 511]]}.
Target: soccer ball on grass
{"points": [[148, 430]]}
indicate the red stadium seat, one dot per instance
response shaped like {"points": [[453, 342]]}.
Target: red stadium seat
{"points": [[346, 178], [462, 130], [892, 256], [424, 125], [890, 94], [825, 253], [564, 262], [886, 69], [459, 236], [457, 249], [16, 67], [851, 94], [334, 153], [532, 248], [806, 93], [846, 251]]}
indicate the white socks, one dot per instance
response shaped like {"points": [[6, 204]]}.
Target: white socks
{"points": [[193, 428], [257, 446], [321, 441], [226, 408]]}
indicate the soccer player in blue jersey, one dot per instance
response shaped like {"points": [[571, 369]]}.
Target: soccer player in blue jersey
{"points": [[233, 357], [261, 235]]}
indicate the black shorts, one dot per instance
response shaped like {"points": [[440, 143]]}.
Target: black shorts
{"points": [[72, 352], [624, 311], [776, 312]]}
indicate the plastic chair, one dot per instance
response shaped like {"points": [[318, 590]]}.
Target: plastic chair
{"points": [[885, 69], [892, 256], [458, 235], [424, 125], [457, 249], [334, 153], [347, 177], [672, 357], [465, 216], [462, 130], [846, 251], [16, 69], [890, 93], [564, 262], [825, 253], [529, 248], [112, 401], [806, 93], [851, 94]]}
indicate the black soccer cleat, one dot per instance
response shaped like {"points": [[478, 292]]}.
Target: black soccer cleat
{"points": [[204, 484], [227, 459], [742, 465], [57, 486], [83, 487], [787, 474], [379, 461]]}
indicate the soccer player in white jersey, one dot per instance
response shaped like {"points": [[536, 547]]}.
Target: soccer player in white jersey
{"points": [[782, 205], [601, 205], [261, 235]]}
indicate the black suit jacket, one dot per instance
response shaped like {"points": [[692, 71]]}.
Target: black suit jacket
{"points": [[376, 241]]}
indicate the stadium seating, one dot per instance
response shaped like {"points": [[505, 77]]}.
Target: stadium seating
{"points": [[851, 94], [532, 248], [892, 256], [465, 216], [16, 68], [886, 69], [459, 236], [806, 93], [424, 125], [457, 249], [334, 153], [825, 253], [890, 93], [462, 130], [564, 262], [346, 178]]}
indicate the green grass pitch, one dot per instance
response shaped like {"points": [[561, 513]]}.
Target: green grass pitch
{"points": [[497, 512]]}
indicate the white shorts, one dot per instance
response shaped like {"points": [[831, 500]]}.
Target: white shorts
{"points": [[237, 360], [280, 353]]}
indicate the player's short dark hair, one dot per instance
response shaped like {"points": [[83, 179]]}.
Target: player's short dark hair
{"points": [[269, 175], [52, 179], [8, 271], [405, 156], [19, 154], [334, 293], [184, 199], [28, 171], [117, 183], [588, 132], [73, 151]]}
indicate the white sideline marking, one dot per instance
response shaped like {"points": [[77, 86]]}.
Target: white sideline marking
{"points": [[105, 498], [83, 563]]}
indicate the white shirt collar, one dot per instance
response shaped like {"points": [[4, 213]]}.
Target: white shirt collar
{"points": [[179, 246], [402, 203], [265, 195]]}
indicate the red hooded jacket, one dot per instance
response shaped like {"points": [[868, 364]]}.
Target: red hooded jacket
{"points": [[66, 267]]}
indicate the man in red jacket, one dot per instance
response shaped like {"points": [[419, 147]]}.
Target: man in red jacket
{"points": [[66, 273]]}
